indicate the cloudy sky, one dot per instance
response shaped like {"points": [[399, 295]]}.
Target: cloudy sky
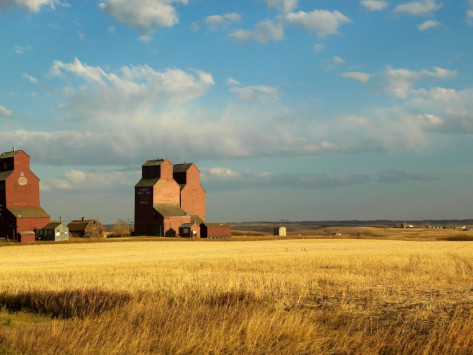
{"points": [[292, 109]]}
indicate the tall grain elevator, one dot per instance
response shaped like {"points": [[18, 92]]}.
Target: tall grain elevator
{"points": [[168, 197], [20, 209]]}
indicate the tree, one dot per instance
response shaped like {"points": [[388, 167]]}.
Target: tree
{"points": [[121, 228]]}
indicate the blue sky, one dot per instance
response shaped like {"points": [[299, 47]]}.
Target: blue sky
{"points": [[292, 109]]}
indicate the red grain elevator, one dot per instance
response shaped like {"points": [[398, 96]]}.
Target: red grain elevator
{"points": [[20, 210], [168, 197]]}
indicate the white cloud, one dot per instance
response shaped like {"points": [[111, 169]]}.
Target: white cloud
{"points": [[146, 16], [362, 77], [439, 110], [4, 112], [241, 130], [333, 63], [30, 78], [30, 5], [374, 5], [218, 22], [355, 120], [220, 172], [469, 12], [219, 178], [129, 137], [134, 85], [430, 119], [440, 73], [85, 181], [264, 32], [418, 8], [91, 74], [231, 81], [283, 5], [319, 47], [438, 94], [322, 22], [145, 38], [426, 25], [118, 117], [258, 92], [399, 82], [20, 49], [122, 116]]}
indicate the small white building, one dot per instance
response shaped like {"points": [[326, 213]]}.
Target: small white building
{"points": [[53, 231], [280, 231]]}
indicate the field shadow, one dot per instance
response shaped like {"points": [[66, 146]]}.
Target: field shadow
{"points": [[64, 304]]}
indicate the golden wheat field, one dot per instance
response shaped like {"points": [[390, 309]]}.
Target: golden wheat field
{"points": [[316, 296]]}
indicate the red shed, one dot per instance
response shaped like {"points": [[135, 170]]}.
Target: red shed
{"points": [[26, 237], [189, 230], [215, 230], [20, 209]]}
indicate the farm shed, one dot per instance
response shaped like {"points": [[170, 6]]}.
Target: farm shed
{"points": [[215, 230], [85, 228], [20, 209], [53, 231], [26, 237], [280, 231], [189, 230]]}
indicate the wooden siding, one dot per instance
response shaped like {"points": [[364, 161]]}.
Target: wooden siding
{"points": [[166, 191], [193, 194], [215, 230]]}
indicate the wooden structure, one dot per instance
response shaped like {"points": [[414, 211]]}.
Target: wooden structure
{"points": [[215, 230], [53, 231], [20, 210], [85, 228], [167, 197], [26, 237], [189, 230]]}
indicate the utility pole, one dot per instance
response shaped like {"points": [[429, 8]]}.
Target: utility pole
{"points": [[98, 223]]}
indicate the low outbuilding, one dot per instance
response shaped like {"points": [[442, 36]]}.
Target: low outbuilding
{"points": [[280, 231], [215, 230], [189, 230], [26, 237], [53, 231]]}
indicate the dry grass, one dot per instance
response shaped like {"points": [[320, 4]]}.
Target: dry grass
{"points": [[287, 296]]}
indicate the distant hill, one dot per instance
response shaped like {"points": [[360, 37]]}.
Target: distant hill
{"points": [[295, 225]]}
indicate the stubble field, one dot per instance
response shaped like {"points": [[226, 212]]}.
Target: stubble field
{"points": [[284, 296]]}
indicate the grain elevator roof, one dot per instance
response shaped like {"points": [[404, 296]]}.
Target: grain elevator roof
{"points": [[170, 210]]}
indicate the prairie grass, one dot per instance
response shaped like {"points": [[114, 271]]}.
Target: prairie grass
{"points": [[281, 296]]}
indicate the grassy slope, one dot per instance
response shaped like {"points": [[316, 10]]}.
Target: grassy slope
{"points": [[290, 296]]}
